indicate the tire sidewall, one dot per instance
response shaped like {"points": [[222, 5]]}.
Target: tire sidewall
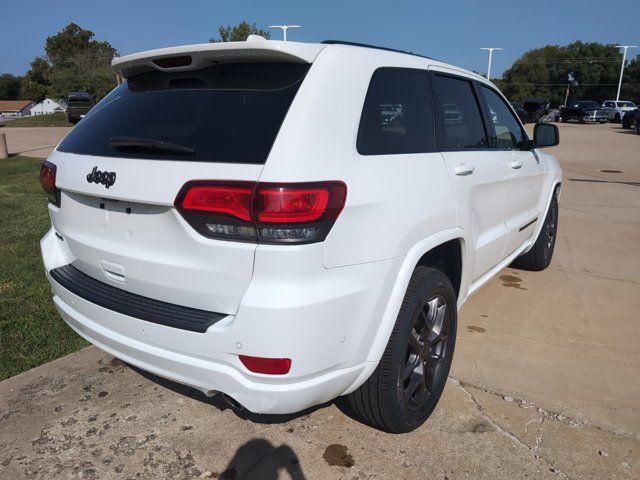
{"points": [[430, 282]]}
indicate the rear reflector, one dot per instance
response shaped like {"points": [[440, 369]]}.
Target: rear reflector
{"points": [[48, 182], [262, 212], [268, 366]]}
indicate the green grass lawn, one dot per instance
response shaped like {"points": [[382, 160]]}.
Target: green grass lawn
{"points": [[31, 331], [53, 120]]}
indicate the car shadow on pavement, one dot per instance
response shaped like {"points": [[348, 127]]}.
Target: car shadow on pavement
{"points": [[218, 400], [260, 459]]}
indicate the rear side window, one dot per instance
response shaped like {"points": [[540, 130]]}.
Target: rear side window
{"points": [[397, 115], [459, 123], [229, 113]]}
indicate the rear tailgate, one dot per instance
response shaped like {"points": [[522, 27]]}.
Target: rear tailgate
{"points": [[117, 217], [131, 236]]}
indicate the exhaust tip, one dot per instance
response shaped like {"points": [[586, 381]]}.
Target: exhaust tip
{"points": [[232, 403]]}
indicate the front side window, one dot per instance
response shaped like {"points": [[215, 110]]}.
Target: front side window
{"points": [[397, 116], [459, 123], [505, 131]]}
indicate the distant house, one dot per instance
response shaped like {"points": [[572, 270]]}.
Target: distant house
{"points": [[15, 108], [47, 107]]}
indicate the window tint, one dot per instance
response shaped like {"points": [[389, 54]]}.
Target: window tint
{"points": [[458, 119], [505, 131], [397, 114], [228, 113]]}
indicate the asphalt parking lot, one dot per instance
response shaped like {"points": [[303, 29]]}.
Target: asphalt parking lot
{"points": [[544, 382]]}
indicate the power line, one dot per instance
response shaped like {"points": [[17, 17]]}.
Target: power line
{"points": [[565, 84]]}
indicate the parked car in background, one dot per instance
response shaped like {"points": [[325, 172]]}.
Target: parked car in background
{"points": [[583, 111], [521, 112], [243, 253], [628, 118], [536, 109], [78, 105], [616, 109]]}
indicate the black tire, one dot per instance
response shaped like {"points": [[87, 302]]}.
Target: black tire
{"points": [[616, 118], [539, 257], [601, 123], [385, 400], [563, 119]]}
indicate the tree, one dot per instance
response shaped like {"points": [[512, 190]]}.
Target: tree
{"points": [[35, 83], [73, 61], [9, 87], [631, 81], [239, 33], [589, 68]]}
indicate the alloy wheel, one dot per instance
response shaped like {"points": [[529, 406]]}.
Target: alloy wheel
{"points": [[423, 369]]}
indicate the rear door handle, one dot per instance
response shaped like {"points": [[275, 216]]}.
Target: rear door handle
{"points": [[464, 170], [516, 164]]}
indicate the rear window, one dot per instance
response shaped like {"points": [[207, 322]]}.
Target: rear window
{"points": [[458, 118], [397, 115], [228, 113]]}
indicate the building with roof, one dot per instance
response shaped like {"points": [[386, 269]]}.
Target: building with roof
{"points": [[47, 107], [15, 108]]}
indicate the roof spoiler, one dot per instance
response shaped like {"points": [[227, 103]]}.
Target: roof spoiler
{"points": [[195, 57]]}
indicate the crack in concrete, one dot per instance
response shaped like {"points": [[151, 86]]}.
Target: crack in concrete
{"points": [[514, 438], [555, 416], [593, 275]]}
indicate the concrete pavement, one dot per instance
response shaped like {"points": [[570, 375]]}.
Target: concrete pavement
{"points": [[544, 383], [34, 141]]}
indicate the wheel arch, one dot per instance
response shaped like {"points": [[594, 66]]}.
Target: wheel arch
{"points": [[430, 252]]}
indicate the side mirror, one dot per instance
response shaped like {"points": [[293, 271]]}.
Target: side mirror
{"points": [[545, 135]]}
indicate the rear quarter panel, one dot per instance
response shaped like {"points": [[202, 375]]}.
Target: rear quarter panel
{"points": [[393, 201]]}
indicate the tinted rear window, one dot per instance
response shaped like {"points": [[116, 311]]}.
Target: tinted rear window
{"points": [[228, 113], [397, 116]]}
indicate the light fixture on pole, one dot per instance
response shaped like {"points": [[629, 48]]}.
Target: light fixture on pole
{"points": [[284, 29], [624, 59], [491, 49]]}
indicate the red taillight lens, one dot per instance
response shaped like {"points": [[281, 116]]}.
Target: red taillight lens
{"points": [[48, 182], [268, 366], [262, 212], [291, 205], [225, 199]]}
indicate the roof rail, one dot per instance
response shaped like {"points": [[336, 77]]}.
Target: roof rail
{"points": [[364, 45]]}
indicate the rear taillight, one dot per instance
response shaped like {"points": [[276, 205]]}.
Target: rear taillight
{"points": [[262, 212], [268, 366], [48, 182]]}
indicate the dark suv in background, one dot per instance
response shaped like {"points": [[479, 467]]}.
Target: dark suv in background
{"points": [[78, 105]]}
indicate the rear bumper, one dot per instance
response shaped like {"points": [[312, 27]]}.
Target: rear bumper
{"points": [[206, 375], [327, 333]]}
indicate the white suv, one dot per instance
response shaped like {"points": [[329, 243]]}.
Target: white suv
{"points": [[287, 223]]}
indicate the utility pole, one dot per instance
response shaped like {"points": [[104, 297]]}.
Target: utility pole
{"points": [[284, 29], [566, 97], [624, 59], [491, 49]]}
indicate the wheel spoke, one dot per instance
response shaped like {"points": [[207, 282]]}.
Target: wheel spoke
{"points": [[413, 362], [416, 383]]}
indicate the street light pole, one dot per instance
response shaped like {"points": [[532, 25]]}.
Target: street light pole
{"points": [[284, 29], [624, 59], [491, 49]]}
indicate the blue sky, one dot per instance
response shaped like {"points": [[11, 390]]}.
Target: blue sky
{"points": [[449, 30]]}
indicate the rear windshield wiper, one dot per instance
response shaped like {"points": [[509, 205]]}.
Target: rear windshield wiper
{"points": [[139, 143]]}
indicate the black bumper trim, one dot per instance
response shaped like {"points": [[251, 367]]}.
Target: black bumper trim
{"points": [[133, 305]]}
